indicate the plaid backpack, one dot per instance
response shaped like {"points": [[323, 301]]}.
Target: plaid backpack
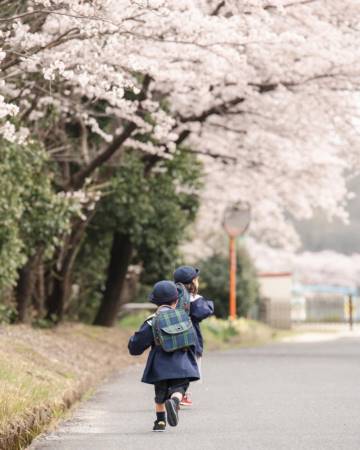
{"points": [[173, 329], [184, 298]]}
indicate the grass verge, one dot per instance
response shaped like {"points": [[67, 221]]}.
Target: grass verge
{"points": [[220, 334], [44, 372]]}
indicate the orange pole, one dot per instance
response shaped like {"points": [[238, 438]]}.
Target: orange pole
{"points": [[232, 299], [351, 310]]}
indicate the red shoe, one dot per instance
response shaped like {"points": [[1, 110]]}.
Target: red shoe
{"points": [[186, 400]]}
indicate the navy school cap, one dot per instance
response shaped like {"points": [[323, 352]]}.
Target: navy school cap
{"points": [[185, 274], [164, 292]]}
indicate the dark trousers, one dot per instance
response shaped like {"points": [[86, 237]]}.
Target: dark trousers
{"points": [[165, 388]]}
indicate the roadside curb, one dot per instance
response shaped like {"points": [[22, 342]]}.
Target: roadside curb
{"points": [[33, 422]]}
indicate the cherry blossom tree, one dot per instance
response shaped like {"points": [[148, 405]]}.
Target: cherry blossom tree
{"points": [[265, 92], [325, 267], [292, 142]]}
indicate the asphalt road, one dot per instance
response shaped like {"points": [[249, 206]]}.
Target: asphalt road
{"points": [[283, 396]]}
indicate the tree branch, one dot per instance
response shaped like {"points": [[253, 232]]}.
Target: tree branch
{"points": [[224, 158], [79, 178], [184, 134], [227, 128], [152, 160], [7, 63], [216, 109], [267, 87], [288, 5], [84, 141], [56, 12], [219, 109], [218, 8]]}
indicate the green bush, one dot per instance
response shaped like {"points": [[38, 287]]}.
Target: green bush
{"points": [[8, 313], [214, 283], [31, 213], [222, 334]]}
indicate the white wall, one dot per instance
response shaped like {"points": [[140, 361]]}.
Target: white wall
{"points": [[276, 287]]}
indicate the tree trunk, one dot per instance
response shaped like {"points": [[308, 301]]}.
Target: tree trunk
{"points": [[39, 291], [60, 293], [25, 285], [121, 253], [61, 276]]}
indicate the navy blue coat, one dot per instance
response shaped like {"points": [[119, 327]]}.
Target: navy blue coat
{"points": [[162, 365], [200, 309]]}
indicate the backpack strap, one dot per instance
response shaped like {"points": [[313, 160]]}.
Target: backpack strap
{"points": [[153, 322], [184, 298], [149, 319]]}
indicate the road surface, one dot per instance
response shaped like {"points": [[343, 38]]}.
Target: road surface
{"points": [[278, 397]]}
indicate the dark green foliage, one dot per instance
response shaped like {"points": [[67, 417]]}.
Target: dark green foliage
{"points": [[90, 274], [8, 313], [152, 207], [31, 214], [214, 283], [172, 209]]}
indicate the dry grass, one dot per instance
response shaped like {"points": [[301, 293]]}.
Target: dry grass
{"points": [[43, 372]]}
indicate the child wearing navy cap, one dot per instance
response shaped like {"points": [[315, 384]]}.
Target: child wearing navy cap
{"points": [[169, 372], [200, 309]]}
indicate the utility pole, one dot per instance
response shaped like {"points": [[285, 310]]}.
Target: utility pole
{"points": [[236, 222], [351, 311]]}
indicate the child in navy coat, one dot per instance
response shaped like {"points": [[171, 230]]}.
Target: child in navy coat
{"points": [[200, 309], [170, 373]]}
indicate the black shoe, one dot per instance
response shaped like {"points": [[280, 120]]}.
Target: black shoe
{"points": [[159, 425], [171, 407]]}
